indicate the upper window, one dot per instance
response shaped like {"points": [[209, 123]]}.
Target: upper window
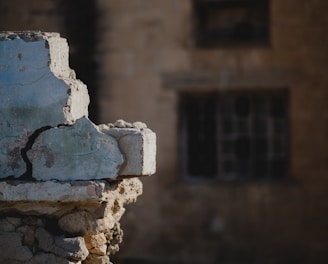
{"points": [[231, 23], [242, 136]]}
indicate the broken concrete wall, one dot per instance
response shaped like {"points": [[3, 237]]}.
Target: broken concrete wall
{"points": [[37, 91], [62, 186], [45, 133]]}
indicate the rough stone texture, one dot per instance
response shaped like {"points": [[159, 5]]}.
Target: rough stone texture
{"points": [[42, 258], [94, 259], [70, 248], [97, 244], [31, 198], [11, 245], [28, 235], [73, 231]]}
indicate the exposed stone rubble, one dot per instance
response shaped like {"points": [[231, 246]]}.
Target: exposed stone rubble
{"points": [[75, 230], [62, 186]]}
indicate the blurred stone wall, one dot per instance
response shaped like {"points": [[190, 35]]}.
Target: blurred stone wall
{"points": [[141, 42]]}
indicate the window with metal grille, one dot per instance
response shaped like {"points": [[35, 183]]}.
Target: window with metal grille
{"points": [[231, 23], [237, 136]]}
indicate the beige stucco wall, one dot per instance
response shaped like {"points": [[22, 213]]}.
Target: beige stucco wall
{"points": [[144, 40]]}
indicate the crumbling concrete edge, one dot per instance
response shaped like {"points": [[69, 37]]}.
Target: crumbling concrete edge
{"points": [[138, 145], [61, 222], [93, 192], [59, 66], [30, 158]]}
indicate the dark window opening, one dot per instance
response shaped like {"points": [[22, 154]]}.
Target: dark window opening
{"points": [[231, 23], [234, 136], [81, 25], [199, 112]]}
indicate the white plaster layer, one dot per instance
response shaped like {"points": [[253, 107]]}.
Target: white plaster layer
{"points": [[78, 100], [68, 192], [138, 146], [52, 191]]}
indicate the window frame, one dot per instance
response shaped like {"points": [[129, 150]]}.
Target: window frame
{"points": [[204, 37], [217, 178]]}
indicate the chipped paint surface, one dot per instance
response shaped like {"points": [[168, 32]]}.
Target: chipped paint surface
{"points": [[45, 133], [59, 172], [78, 152], [34, 92]]}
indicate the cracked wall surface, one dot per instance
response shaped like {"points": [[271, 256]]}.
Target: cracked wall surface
{"points": [[37, 90], [45, 133]]}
